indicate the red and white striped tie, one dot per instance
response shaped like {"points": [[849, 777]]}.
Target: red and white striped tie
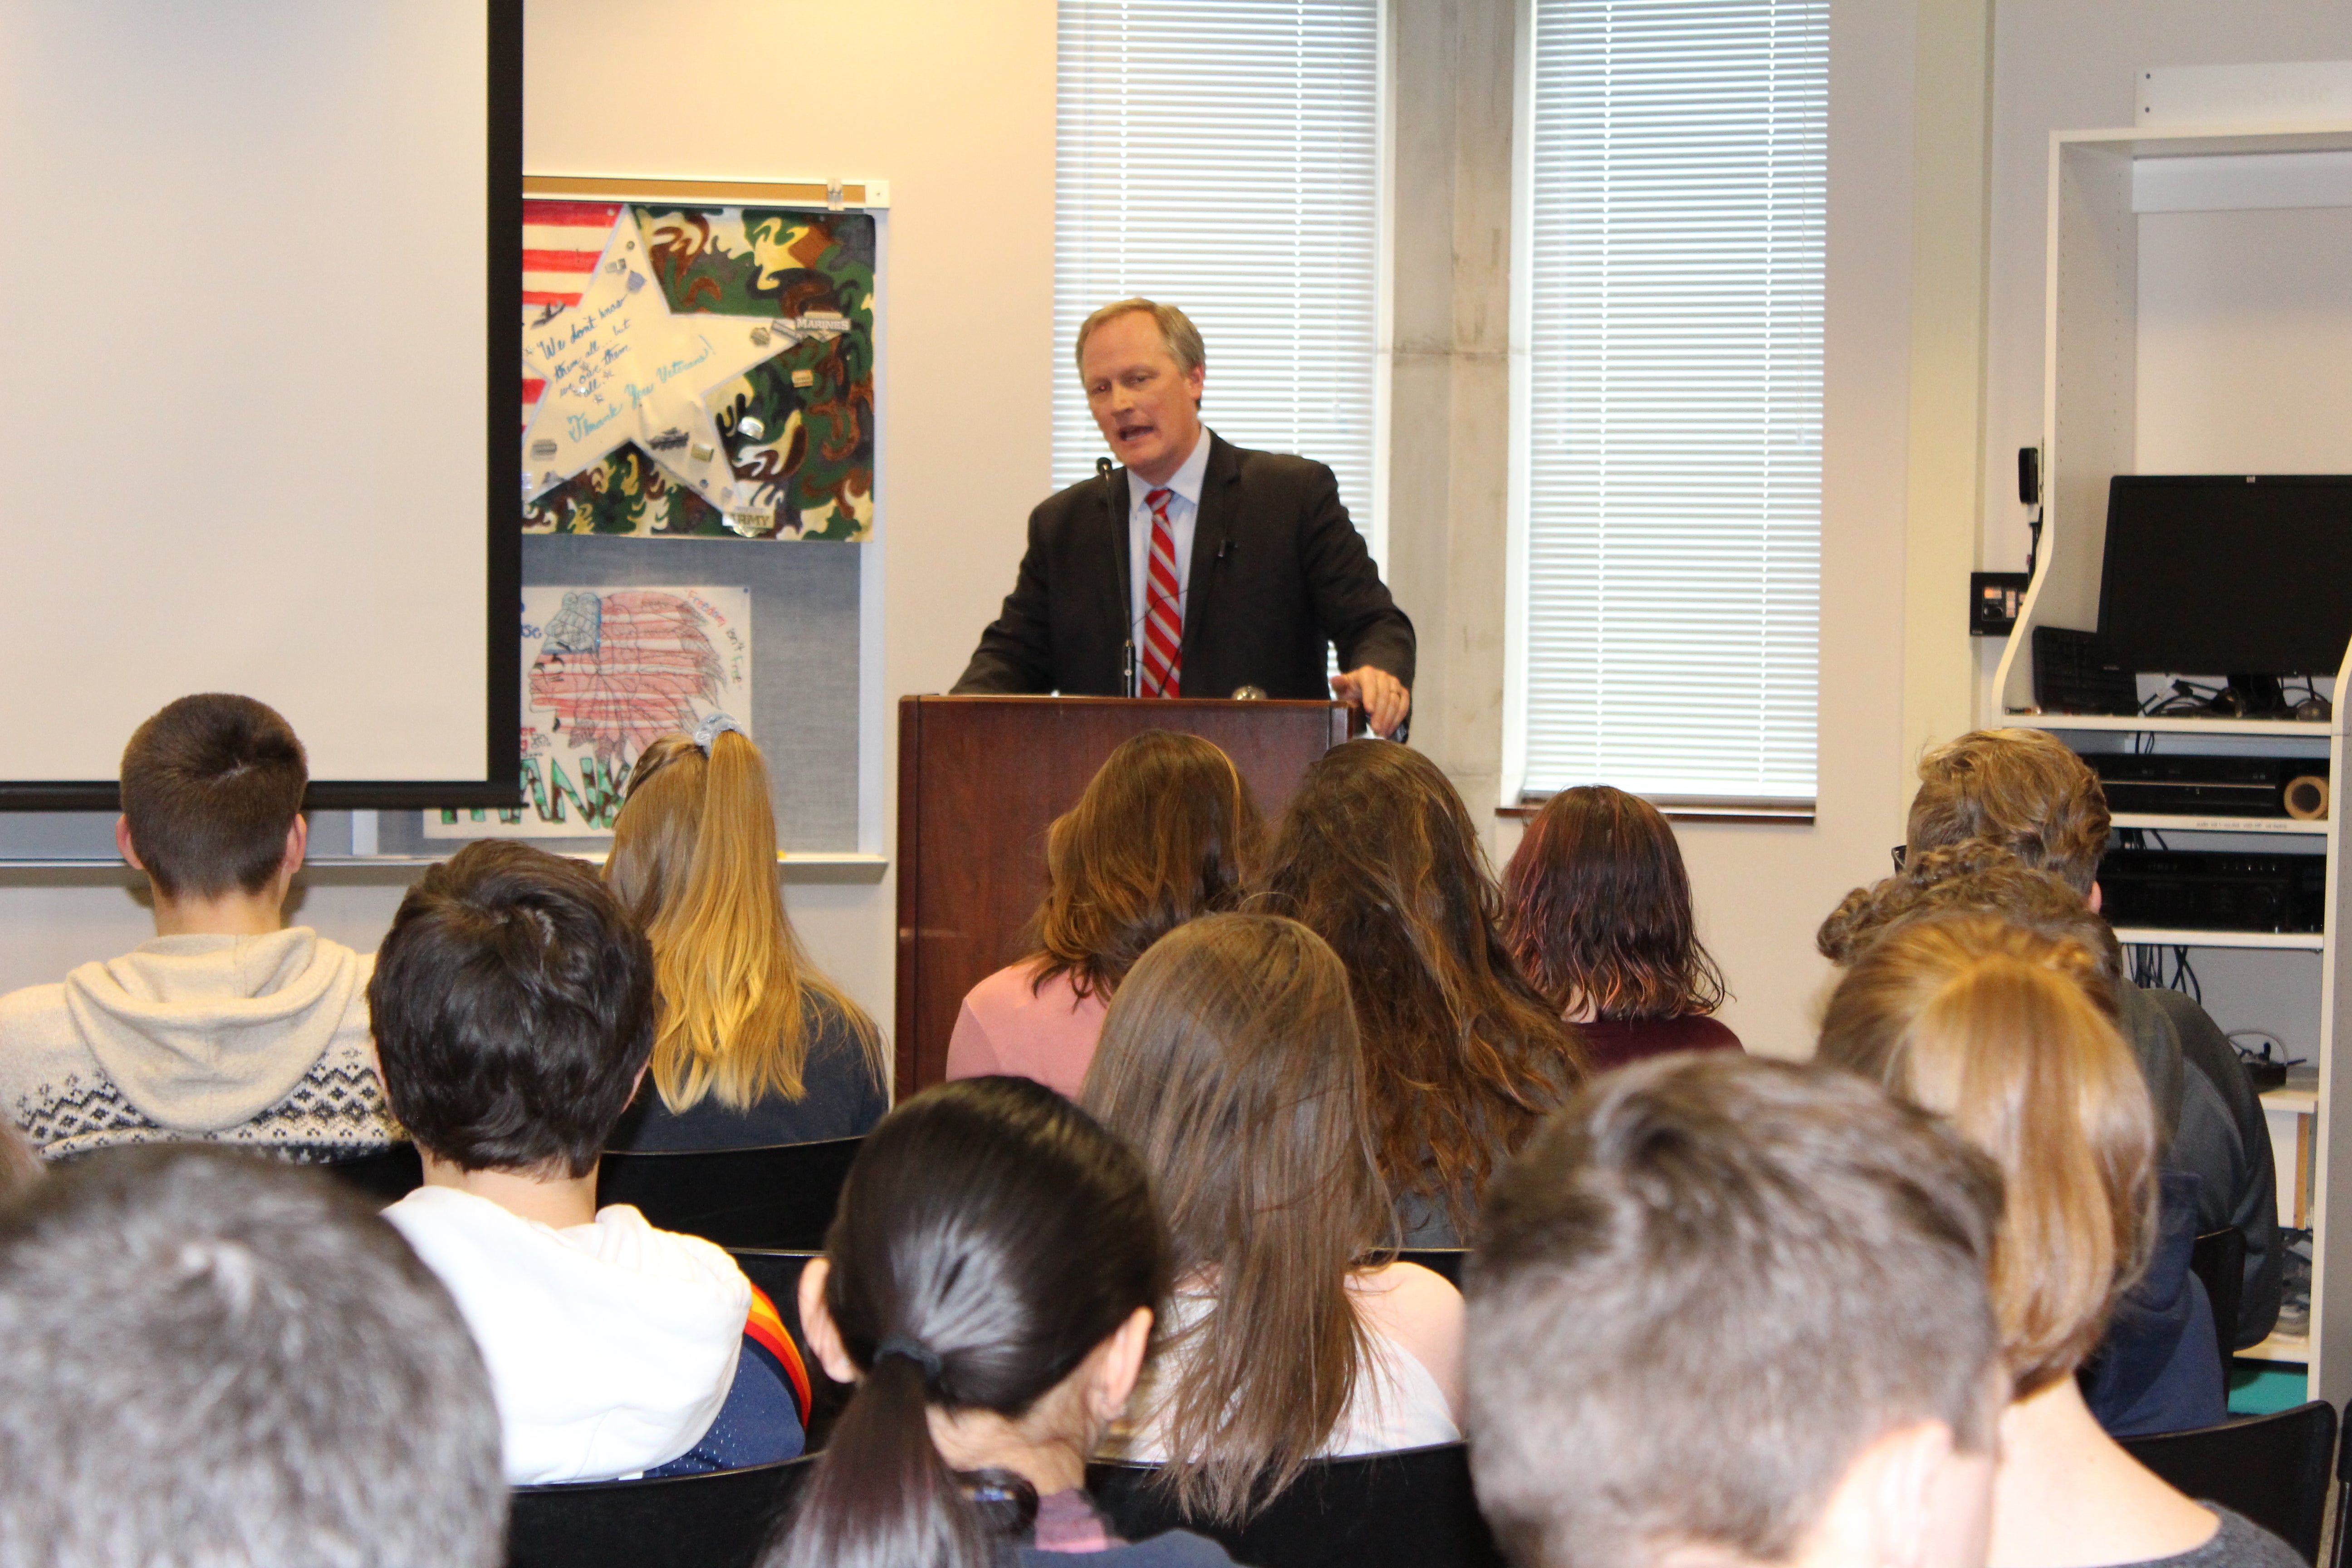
{"points": [[1163, 609]]}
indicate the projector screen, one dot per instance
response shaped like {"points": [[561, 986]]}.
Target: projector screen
{"points": [[262, 278]]}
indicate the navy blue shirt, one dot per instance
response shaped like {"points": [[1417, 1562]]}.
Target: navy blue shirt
{"points": [[841, 1098]]}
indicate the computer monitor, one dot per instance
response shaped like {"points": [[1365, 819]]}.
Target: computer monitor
{"points": [[2228, 574]]}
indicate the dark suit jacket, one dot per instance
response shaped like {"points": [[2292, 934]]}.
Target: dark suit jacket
{"points": [[1278, 572]]}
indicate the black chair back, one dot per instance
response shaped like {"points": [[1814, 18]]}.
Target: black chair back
{"points": [[717, 1521], [1445, 1260], [2219, 1261], [1413, 1509], [2274, 1470], [780, 1198], [778, 1275], [388, 1175]]}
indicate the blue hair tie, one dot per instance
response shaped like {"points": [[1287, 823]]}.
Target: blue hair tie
{"points": [[711, 728]]}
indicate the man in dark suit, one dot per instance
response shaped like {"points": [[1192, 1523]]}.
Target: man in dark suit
{"points": [[1201, 567]]}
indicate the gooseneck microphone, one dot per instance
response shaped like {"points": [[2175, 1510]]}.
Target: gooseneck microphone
{"points": [[1126, 592]]}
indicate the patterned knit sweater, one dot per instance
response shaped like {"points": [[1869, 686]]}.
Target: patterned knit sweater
{"points": [[260, 1041]]}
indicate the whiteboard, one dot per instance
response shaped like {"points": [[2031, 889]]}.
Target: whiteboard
{"points": [[247, 440]]}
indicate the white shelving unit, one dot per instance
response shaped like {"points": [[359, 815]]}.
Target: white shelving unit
{"points": [[2090, 434]]}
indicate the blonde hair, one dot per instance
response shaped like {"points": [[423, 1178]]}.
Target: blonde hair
{"points": [[2004, 1031], [1177, 332], [693, 858], [2022, 789], [1230, 1061]]}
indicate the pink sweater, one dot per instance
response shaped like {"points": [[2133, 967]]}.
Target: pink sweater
{"points": [[1004, 1027]]}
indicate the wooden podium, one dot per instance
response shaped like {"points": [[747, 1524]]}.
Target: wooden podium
{"points": [[979, 780]]}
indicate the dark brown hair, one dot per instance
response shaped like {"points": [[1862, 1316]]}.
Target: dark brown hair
{"points": [[1974, 876], [210, 786], [1166, 830], [1597, 909], [993, 1227], [2010, 1034], [1377, 856], [1230, 1061], [2024, 789], [693, 858], [1703, 1290], [513, 1007]]}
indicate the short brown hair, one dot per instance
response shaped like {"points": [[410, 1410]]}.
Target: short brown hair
{"points": [[210, 786], [1230, 1061], [1597, 909], [1976, 877], [1703, 1289], [513, 1008], [2024, 789], [1167, 829], [1176, 330], [2003, 1030]]}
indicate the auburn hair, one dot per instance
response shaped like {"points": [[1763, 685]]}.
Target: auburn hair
{"points": [[1230, 1062], [694, 859], [2022, 789], [1597, 910], [1462, 1057], [1167, 829], [2009, 1033]]}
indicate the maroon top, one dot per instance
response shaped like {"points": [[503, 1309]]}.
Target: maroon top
{"points": [[1614, 1042]]}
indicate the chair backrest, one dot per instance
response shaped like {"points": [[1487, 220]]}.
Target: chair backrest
{"points": [[1370, 1511], [717, 1521], [779, 1198], [2274, 1470], [2219, 1261], [778, 1275], [1445, 1260], [389, 1174]]}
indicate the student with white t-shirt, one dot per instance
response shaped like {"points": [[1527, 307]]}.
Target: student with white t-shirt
{"points": [[1230, 1059]]}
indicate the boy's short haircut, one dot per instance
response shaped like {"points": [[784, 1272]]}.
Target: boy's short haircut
{"points": [[2024, 789], [513, 1006], [207, 1357], [210, 786], [1702, 1290]]}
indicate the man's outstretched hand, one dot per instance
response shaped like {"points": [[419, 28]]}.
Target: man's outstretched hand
{"points": [[1383, 699]]}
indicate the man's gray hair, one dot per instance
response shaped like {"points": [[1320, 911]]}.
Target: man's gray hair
{"points": [[209, 1357], [1176, 330]]}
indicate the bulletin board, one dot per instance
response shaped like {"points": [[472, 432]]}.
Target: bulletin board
{"points": [[699, 434]]}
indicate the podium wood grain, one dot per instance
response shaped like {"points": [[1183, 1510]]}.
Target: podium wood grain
{"points": [[981, 779]]}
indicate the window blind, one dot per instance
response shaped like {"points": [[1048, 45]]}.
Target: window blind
{"points": [[1671, 473], [1223, 156]]}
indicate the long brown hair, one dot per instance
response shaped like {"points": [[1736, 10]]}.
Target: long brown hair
{"points": [[989, 1237], [1461, 1057], [1597, 910], [693, 858], [2010, 1034], [1166, 830], [1230, 1061]]}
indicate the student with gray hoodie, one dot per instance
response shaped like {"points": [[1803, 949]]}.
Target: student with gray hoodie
{"points": [[229, 1025]]}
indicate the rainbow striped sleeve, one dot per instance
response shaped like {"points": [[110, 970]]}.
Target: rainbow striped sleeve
{"points": [[765, 1329]]}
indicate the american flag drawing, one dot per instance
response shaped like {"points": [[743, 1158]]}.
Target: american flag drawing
{"points": [[562, 242]]}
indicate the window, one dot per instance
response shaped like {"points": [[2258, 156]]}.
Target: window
{"points": [[1668, 474], [1223, 156]]}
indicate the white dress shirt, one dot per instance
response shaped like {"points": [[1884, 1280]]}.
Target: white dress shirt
{"points": [[1184, 513]]}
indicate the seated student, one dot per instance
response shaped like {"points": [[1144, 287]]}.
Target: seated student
{"points": [[1230, 1061], [1166, 830], [2024, 789], [1997, 1027], [988, 1284], [1377, 855], [209, 1358], [513, 1003], [2156, 1370], [1732, 1312], [229, 1025], [753, 1045], [1597, 909]]}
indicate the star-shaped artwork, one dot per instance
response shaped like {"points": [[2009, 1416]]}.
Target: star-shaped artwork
{"points": [[619, 366]]}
